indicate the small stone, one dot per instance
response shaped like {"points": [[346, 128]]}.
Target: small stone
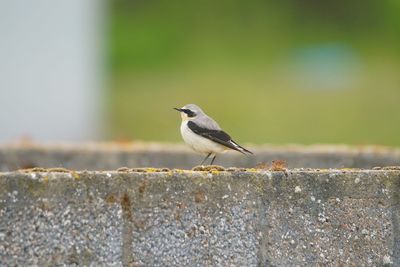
{"points": [[387, 260], [321, 217], [364, 231], [297, 189]]}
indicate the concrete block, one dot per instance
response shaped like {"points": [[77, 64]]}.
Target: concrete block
{"points": [[111, 156], [236, 217]]}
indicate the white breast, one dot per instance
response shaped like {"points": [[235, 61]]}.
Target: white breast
{"points": [[199, 143]]}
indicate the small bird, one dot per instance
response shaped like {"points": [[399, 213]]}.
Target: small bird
{"points": [[204, 135]]}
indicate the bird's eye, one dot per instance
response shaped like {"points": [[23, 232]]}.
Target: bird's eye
{"points": [[189, 113]]}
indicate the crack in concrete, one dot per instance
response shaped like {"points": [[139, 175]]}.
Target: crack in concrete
{"points": [[127, 238], [395, 210]]}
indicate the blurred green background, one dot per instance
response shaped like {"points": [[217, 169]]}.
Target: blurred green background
{"points": [[275, 72]]}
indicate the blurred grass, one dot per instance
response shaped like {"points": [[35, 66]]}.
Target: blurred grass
{"points": [[240, 62]]}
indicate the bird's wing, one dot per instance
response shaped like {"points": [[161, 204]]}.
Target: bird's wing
{"points": [[207, 122], [217, 136]]}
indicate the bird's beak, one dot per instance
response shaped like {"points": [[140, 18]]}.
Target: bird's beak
{"points": [[178, 109]]}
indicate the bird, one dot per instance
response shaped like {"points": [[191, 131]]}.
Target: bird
{"points": [[204, 135]]}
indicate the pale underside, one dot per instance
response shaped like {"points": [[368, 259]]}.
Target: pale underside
{"points": [[200, 144]]}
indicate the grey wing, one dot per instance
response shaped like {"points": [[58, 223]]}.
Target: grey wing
{"points": [[206, 122]]}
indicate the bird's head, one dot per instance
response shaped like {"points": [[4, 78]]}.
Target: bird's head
{"points": [[189, 112]]}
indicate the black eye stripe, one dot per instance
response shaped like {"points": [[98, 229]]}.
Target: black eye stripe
{"points": [[189, 112]]}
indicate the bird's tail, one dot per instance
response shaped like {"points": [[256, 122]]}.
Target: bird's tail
{"points": [[247, 151], [241, 149]]}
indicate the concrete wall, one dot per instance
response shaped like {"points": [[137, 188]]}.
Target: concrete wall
{"points": [[111, 156], [200, 218]]}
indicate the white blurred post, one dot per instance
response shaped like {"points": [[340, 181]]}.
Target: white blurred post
{"points": [[51, 69]]}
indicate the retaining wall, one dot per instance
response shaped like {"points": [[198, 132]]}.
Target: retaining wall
{"points": [[213, 217], [111, 156]]}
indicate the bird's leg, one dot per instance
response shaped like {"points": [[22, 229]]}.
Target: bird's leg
{"points": [[209, 154], [212, 160]]}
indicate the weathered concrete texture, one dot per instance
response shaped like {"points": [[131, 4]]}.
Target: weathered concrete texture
{"points": [[201, 218], [109, 156]]}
